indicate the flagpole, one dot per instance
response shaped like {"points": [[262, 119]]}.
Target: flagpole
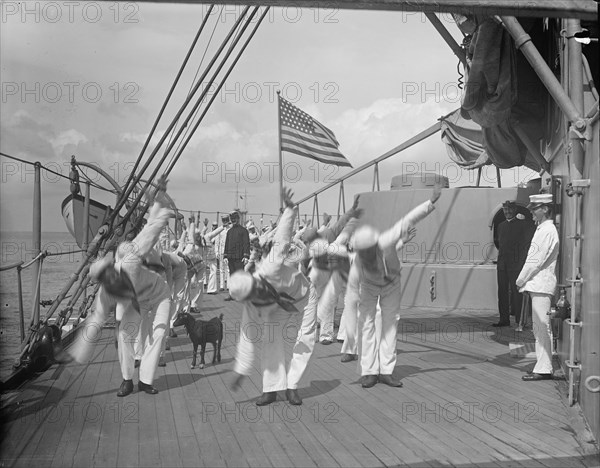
{"points": [[280, 152]]}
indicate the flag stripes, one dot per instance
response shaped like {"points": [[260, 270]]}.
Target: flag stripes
{"points": [[304, 136]]}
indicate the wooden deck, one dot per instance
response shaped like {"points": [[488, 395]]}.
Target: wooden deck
{"points": [[463, 404]]}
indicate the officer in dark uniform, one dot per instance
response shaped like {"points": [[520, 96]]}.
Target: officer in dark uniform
{"points": [[237, 245], [513, 239]]}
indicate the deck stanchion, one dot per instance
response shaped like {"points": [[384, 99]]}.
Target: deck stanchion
{"points": [[37, 242], [341, 200], [21, 312], [375, 177]]}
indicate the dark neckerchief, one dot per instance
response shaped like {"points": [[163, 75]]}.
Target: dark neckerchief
{"points": [[122, 287], [266, 294]]}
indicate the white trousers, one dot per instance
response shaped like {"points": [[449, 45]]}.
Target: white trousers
{"points": [[177, 297], [350, 319], [540, 306], [91, 329], [223, 272], [129, 338], [152, 329], [273, 327], [378, 348], [327, 303], [194, 291], [305, 341], [138, 333], [319, 278], [341, 334], [212, 276]]}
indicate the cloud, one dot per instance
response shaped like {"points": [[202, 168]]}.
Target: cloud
{"points": [[68, 139], [22, 136]]}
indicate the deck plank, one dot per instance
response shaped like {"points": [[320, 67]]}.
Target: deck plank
{"points": [[196, 420], [80, 398], [102, 408], [115, 413], [207, 446]]}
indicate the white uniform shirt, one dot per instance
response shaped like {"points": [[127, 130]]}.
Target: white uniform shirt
{"points": [[150, 287], [539, 272]]}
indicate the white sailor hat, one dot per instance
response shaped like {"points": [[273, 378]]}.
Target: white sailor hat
{"points": [[241, 284], [100, 265], [365, 237], [538, 200]]}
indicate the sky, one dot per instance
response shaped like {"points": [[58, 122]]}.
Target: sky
{"points": [[89, 78]]}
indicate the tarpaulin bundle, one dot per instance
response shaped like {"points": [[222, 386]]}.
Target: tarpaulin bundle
{"points": [[502, 92]]}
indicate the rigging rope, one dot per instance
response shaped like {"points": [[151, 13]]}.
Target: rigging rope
{"points": [[127, 188], [213, 78], [186, 126], [202, 59], [183, 140], [164, 137]]}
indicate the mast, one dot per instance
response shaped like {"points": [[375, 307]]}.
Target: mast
{"points": [[279, 149]]}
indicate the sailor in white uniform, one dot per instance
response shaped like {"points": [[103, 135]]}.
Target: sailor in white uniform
{"points": [[220, 252], [210, 257], [272, 297], [378, 265], [140, 295], [538, 279]]}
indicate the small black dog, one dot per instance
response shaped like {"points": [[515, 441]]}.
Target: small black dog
{"points": [[202, 332]]}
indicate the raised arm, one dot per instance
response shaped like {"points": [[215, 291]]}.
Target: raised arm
{"points": [[214, 233], [285, 227], [158, 218], [335, 230], [400, 230]]}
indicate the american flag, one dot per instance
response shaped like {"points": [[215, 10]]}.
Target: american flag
{"points": [[305, 136]]}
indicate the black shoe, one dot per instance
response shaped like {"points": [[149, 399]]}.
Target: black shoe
{"points": [[149, 389], [126, 388], [389, 380], [501, 324], [339, 341], [266, 398], [349, 357], [137, 363], [293, 397], [162, 362], [326, 342], [368, 381], [172, 333], [228, 298], [533, 376]]}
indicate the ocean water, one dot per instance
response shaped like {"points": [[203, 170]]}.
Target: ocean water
{"points": [[56, 271]]}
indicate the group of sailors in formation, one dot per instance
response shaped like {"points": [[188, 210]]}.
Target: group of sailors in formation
{"points": [[287, 281]]}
